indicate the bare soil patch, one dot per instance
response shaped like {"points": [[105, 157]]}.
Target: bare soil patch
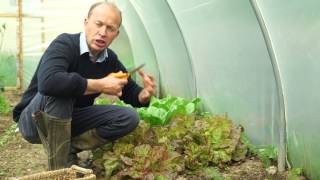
{"points": [[17, 156]]}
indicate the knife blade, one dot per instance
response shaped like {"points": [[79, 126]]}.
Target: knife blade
{"points": [[136, 69], [126, 75]]}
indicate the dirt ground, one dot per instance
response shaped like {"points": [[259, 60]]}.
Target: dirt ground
{"points": [[18, 157]]}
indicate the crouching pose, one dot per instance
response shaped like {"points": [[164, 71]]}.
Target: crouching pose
{"points": [[58, 110]]}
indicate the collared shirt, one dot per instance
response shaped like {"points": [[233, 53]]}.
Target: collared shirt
{"points": [[85, 49]]}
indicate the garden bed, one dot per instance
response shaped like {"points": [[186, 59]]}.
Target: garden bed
{"points": [[19, 158]]}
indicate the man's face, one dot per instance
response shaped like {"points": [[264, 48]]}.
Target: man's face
{"points": [[101, 28]]}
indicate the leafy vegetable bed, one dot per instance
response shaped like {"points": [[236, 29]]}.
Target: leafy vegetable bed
{"points": [[173, 141]]}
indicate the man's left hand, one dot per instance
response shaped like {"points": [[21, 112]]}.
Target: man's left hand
{"points": [[149, 88]]}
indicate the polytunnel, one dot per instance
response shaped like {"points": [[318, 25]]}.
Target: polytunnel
{"points": [[255, 60]]}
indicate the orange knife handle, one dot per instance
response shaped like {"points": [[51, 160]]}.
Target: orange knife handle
{"points": [[120, 75]]}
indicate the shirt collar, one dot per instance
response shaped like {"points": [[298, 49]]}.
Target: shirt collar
{"points": [[85, 49]]}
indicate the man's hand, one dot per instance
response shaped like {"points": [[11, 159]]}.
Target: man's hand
{"points": [[149, 88], [108, 85], [113, 85]]}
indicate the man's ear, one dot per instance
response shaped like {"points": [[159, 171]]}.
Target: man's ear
{"points": [[118, 33], [85, 21]]}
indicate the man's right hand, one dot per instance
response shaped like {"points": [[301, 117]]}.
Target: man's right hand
{"points": [[108, 85], [113, 85]]}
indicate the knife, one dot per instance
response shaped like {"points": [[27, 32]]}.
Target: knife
{"points": [[122, 75], [136, 69]]}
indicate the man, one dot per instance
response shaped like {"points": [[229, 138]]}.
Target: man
{"points": [[57, 108]]}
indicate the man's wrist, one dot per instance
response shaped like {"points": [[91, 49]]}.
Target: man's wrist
{"points": [[93, 86], [144, 96]]}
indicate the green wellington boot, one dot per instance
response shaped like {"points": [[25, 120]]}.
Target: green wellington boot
{"points": [[55, 136], [88, 140]]}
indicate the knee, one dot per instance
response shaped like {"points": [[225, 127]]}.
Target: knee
{"points": [[59, 107], [30, 136], [32, 139], [28, 130], [133, 119], [125, 121]]}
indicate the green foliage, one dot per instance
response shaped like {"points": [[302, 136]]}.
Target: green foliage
{"points": [[295, 173], [252, 148], [160, 111], [267, 154], [213, 173], [3, 29], [7, 135], [4, 106], [103, 101], [174, 140], [6, 109], [1, 84], [188, 145]]}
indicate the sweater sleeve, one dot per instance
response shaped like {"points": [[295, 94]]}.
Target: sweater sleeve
{"points": [[53, 76], [131, 92]]}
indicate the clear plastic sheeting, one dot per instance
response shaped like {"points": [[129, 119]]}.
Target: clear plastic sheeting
{"points": [[8, 47], [212, 49], [231, 64], [294, 31], [142, 49], [7, 56], [160, 27], [8, 6], [45, 21], [221, 45]]}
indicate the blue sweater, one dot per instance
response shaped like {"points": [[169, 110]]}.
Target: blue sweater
{"points": [[62, 72]]}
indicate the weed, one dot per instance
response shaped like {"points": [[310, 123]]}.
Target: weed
{"points": [[3, 29], [267, 154], [295, 173], [4, 106], [7, 135]]}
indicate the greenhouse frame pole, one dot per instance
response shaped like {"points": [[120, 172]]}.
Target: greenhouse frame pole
{"points": [[43, 36], [282, 155], [20, 47]]}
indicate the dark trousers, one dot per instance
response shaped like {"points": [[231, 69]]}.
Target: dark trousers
{"points": [[111, 122]]}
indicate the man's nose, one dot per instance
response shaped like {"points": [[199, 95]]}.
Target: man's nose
{"points": [[103, 31]]}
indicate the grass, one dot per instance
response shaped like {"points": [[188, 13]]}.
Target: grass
{"points": [[4, 106], [7, 135], [295, 174]]}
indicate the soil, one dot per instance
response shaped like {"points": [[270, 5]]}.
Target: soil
{"points": [[19, 158]]}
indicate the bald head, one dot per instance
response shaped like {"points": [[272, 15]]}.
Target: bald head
{"points": [[109, 5], [101, 26]]}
